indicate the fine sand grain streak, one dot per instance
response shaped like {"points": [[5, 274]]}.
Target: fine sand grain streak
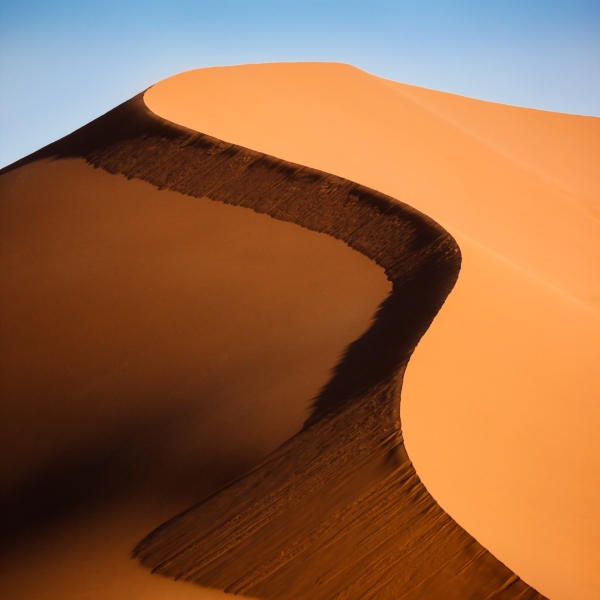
{"points": [[293, 526]]}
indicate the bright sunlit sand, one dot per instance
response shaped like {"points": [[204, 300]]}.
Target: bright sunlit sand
{"points": [[500, 405]]}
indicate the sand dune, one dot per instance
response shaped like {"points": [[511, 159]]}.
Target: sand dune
{"points": [[501, 395], [522, 182], [118, 356], [270, 533]]}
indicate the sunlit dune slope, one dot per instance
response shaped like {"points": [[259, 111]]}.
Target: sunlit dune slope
{"points": [[500, 407]]}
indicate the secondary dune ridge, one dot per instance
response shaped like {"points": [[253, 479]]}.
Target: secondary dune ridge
{"points": [[134, 307], [338, 510]]}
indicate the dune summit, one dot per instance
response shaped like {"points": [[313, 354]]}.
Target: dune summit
{"points": [[522, 182]]}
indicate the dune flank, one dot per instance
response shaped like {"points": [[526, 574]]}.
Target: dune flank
{"points": [[336, 511], [154, 346], [499, 405]]}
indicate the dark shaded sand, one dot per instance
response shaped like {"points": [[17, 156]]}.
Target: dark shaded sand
{"points": [[124, 307], [154, 346], [337, 511]]}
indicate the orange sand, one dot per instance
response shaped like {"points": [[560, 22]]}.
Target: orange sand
{"points": [[154, 346], [500, 403]]}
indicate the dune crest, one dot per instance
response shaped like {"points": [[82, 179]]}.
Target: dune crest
{"points": [[480, 168]]}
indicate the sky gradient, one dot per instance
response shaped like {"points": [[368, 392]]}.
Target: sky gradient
{"points": [[63, 63]]}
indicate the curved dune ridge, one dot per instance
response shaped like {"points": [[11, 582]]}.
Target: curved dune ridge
{"points": [[499, 406], [337, 511], [312, 506]]}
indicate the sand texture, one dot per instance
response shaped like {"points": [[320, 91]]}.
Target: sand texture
{"points": [[338, 510], [500, 407], [154, 347]]}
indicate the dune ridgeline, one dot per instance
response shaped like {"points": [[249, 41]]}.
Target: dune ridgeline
{"points": [[208, 317]]}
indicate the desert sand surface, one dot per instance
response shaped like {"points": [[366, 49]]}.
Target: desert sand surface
{"points": [[154, 346], [337, 510], [499, 408]]}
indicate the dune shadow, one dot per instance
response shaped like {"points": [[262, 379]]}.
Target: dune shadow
{"points": [[100, 472]]}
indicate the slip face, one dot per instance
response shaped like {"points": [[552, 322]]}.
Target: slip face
{"points": [[154, 347]]}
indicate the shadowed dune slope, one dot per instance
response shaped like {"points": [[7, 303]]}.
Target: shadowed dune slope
{"points": [[500, 404], [337, 511], [154, 346]]}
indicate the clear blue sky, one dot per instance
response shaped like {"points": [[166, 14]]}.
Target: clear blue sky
{"points": [[63, 63]]}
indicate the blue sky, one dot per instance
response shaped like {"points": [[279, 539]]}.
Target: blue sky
{"points": [[63, 63]]}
